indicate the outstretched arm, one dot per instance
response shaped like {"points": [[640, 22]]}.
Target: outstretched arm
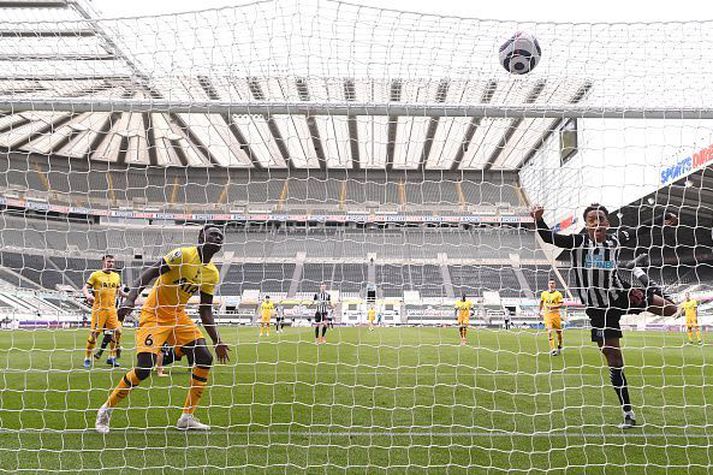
{"points": [[564, 241], [143, 281]]}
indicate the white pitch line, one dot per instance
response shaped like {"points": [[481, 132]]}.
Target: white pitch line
{"points": [[633, 433]]}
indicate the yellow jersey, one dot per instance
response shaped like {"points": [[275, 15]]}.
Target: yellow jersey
{"points": [[187, 275], [463, 308], [549, 300], [371, 315], [266, 309], [104, 285], [690, 307]]}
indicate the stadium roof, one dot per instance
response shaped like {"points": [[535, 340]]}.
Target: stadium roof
{"points": [[333, 54]]}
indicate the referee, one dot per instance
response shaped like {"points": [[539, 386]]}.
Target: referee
{"points": [[323, 302]]}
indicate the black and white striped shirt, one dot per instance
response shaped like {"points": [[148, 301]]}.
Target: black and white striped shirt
{"points": [[323, 300], [597, 279]]}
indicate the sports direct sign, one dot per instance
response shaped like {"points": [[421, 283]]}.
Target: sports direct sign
{"points": [[686, 165]]}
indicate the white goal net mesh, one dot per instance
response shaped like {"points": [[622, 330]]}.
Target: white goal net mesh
{"points": [[389, 157]]}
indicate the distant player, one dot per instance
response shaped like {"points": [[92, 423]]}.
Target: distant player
{"points": [[280, 318], [550, 305], [101, 290], [168, 355], [689, 307], [323, 304], [371, 316], [267, 308], [595, 260], [179, 275], [463, 309]]}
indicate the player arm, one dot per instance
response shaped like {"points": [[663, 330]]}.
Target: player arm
{"points": [[85, 291], [205, 311], [564, 241], [146, 277]]}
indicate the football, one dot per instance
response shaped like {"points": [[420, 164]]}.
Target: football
{"points": [[520, 54]]}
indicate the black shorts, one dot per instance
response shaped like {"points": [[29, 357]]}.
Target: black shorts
{"points": [[605, 321], [319, 317]]}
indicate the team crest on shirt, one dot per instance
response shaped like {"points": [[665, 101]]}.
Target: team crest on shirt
{"points": [[176, 254]]}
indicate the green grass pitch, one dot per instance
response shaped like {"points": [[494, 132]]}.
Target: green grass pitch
{"points": [[397, 400]]}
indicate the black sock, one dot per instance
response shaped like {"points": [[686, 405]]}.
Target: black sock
{"points": [[618, 380], [316, 331], [324, 330], [105, 342]]}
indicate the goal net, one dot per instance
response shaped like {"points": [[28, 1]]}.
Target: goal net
{"points": [[387, 159]]}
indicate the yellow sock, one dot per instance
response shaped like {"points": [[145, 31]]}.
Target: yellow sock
{"points": [[698, 333], [91, 343], [690, 336], [115, 342], [262, 329], [551, 341], [199, 380], [123, 388], [560, 339]]}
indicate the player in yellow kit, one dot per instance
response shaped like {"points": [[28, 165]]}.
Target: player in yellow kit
{"points": [[463, 309], [550, 305], [267, 308], [179, 275], [371, 316], [101, 290], [689, 307]]}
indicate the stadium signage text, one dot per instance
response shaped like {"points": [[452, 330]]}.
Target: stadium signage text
{"points": [[686, 165], [261, 217]]}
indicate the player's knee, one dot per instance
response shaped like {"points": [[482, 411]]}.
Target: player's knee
{"points": [[203, 357], [613, 356], [145, 362]]}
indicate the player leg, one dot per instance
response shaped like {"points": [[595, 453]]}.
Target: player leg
{"points": [[324, 329], [611, 349], [106, 340], [149, 339], [465, 332], [115, 346], [606, 332], [550, 336], [698, 332], [557, 329], [202, 360], [113, 328], [144, 363], [317, 325], [94, 332], [91, 343]]}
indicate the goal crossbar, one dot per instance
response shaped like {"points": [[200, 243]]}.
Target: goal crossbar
{"points": [[352, 109]]}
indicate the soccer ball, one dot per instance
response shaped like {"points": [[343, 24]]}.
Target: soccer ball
{"points": [[520, 54]]}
